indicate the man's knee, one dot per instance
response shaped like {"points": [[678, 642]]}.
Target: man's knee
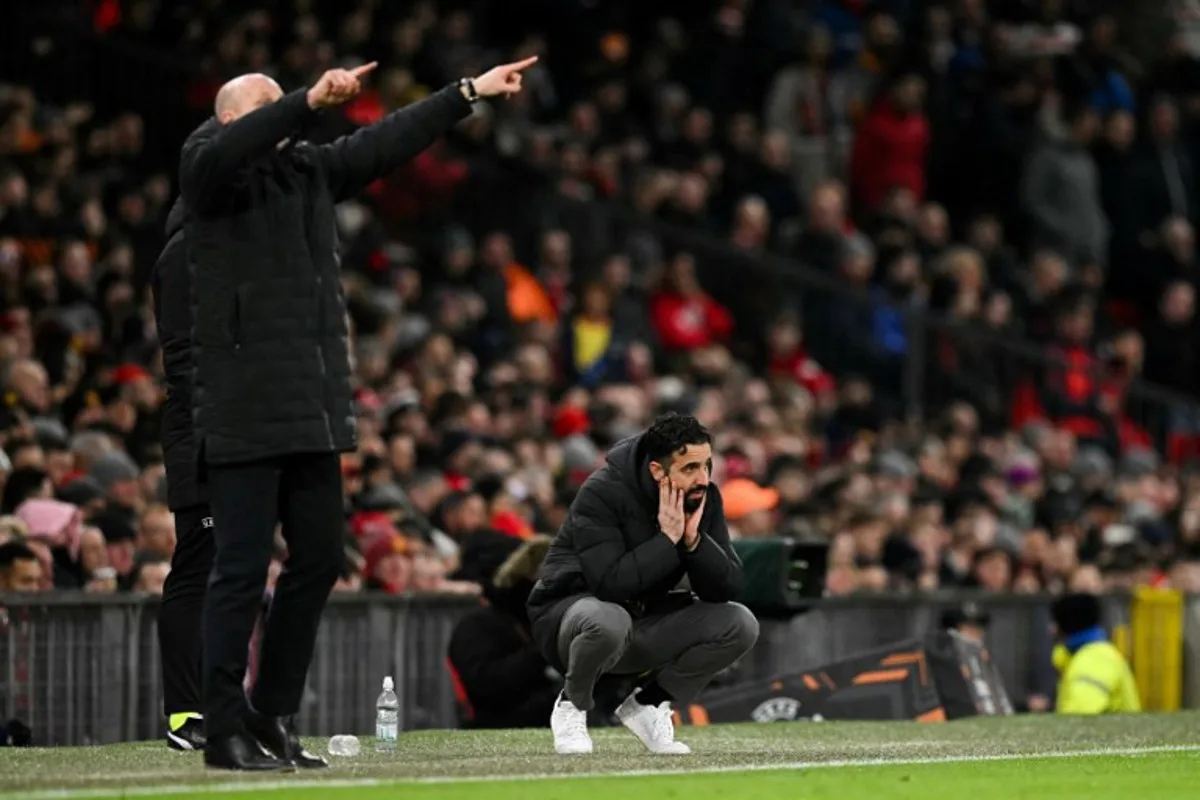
{"points": [[322, 562], [737, 625], [606, 626], [189, 585], [240, 565]]}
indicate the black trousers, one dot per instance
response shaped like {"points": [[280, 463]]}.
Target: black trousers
{"points": [[304, 494], [182, 611]]}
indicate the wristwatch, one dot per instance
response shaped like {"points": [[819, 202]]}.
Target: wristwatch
{"points": [[467, 87]]}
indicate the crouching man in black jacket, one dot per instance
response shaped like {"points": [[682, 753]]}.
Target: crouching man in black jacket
{"points": [[641, 579], [273, 406], [505, 680]]}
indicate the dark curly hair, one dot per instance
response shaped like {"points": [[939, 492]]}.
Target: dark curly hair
{"points": [[14, 551], [671, 434]]}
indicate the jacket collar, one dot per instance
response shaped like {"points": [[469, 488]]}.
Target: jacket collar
{"points": [[1076, 641], [647, 488], [630, 467]]}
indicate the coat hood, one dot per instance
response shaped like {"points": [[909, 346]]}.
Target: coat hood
{"points": [[509, 588], [627, 463], [624, 459]]}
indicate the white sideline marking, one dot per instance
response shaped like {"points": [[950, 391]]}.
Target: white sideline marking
{"points": [[350, 783]]}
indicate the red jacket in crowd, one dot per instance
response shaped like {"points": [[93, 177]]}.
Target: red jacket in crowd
{"points": [[424, 185], [689, 322], [804, 370], [889, 151], [1079, 397]]}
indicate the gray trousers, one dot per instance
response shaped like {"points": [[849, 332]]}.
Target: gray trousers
{"points": [[686, 648]]}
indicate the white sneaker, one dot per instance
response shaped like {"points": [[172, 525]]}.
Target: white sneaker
{"points": [[569, 726], [653, 725]]}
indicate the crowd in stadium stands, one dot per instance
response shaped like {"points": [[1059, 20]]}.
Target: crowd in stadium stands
{"points": [[526, 293]]}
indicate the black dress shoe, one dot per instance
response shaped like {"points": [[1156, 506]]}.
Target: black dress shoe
{"points": [[188, 736], [241, 751], [278, 735]]}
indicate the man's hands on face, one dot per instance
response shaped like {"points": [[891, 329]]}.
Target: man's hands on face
{"points": [[671, 520], [674, 522], [337, 86]]}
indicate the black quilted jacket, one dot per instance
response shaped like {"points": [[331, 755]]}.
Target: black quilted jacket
{"points": [[172, 283], [270, 337], [610, 547]]}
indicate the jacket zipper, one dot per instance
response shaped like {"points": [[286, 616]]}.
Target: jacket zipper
{"points": [[321, 357], [237, 320], [308, 219], [320, 321]]}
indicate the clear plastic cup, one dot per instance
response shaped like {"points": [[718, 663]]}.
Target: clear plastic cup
{"points": [[344, 745]]}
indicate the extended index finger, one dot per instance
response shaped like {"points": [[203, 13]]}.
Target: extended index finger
{"points": [[358, 72], [517, 66]]}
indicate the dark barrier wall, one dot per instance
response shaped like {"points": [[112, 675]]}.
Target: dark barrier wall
{"points": [[83, 669]]}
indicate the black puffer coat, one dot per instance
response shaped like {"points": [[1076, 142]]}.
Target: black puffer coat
{"points": [[271, 344], [610, 547], [502, 675], [171, 281]]}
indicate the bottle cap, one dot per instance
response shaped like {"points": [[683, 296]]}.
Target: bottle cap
{"points": [[388, 684]]}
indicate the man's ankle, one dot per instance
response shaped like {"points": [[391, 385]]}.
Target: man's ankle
{"points": [[176, 721], [652, 695], [564, 700]]}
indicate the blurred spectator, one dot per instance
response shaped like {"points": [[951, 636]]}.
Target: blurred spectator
{"points": [[944, 377], [387, 563], [591, 342], [501, 678], [892, 145], [20, 568], [1171, 340], [149, 574], [1096, 679], [1062, 193], [812, 103], [686, 318], [785, 340], [95, 572], [1165, 177], [23, 484], [749, 509], [156, 533], [481, 549]]}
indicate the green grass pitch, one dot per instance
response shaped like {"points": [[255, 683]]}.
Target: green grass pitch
{"points": [[1111, 758]]}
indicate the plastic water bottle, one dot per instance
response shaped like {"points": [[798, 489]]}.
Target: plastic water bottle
{"points": [[344, 745], [387, 717]]}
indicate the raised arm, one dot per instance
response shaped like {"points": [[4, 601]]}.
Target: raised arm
{"points": [[212, 155], [352, 162]]}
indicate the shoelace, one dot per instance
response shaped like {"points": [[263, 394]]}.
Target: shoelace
{"points": [[575, 723], [664, 728]]}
